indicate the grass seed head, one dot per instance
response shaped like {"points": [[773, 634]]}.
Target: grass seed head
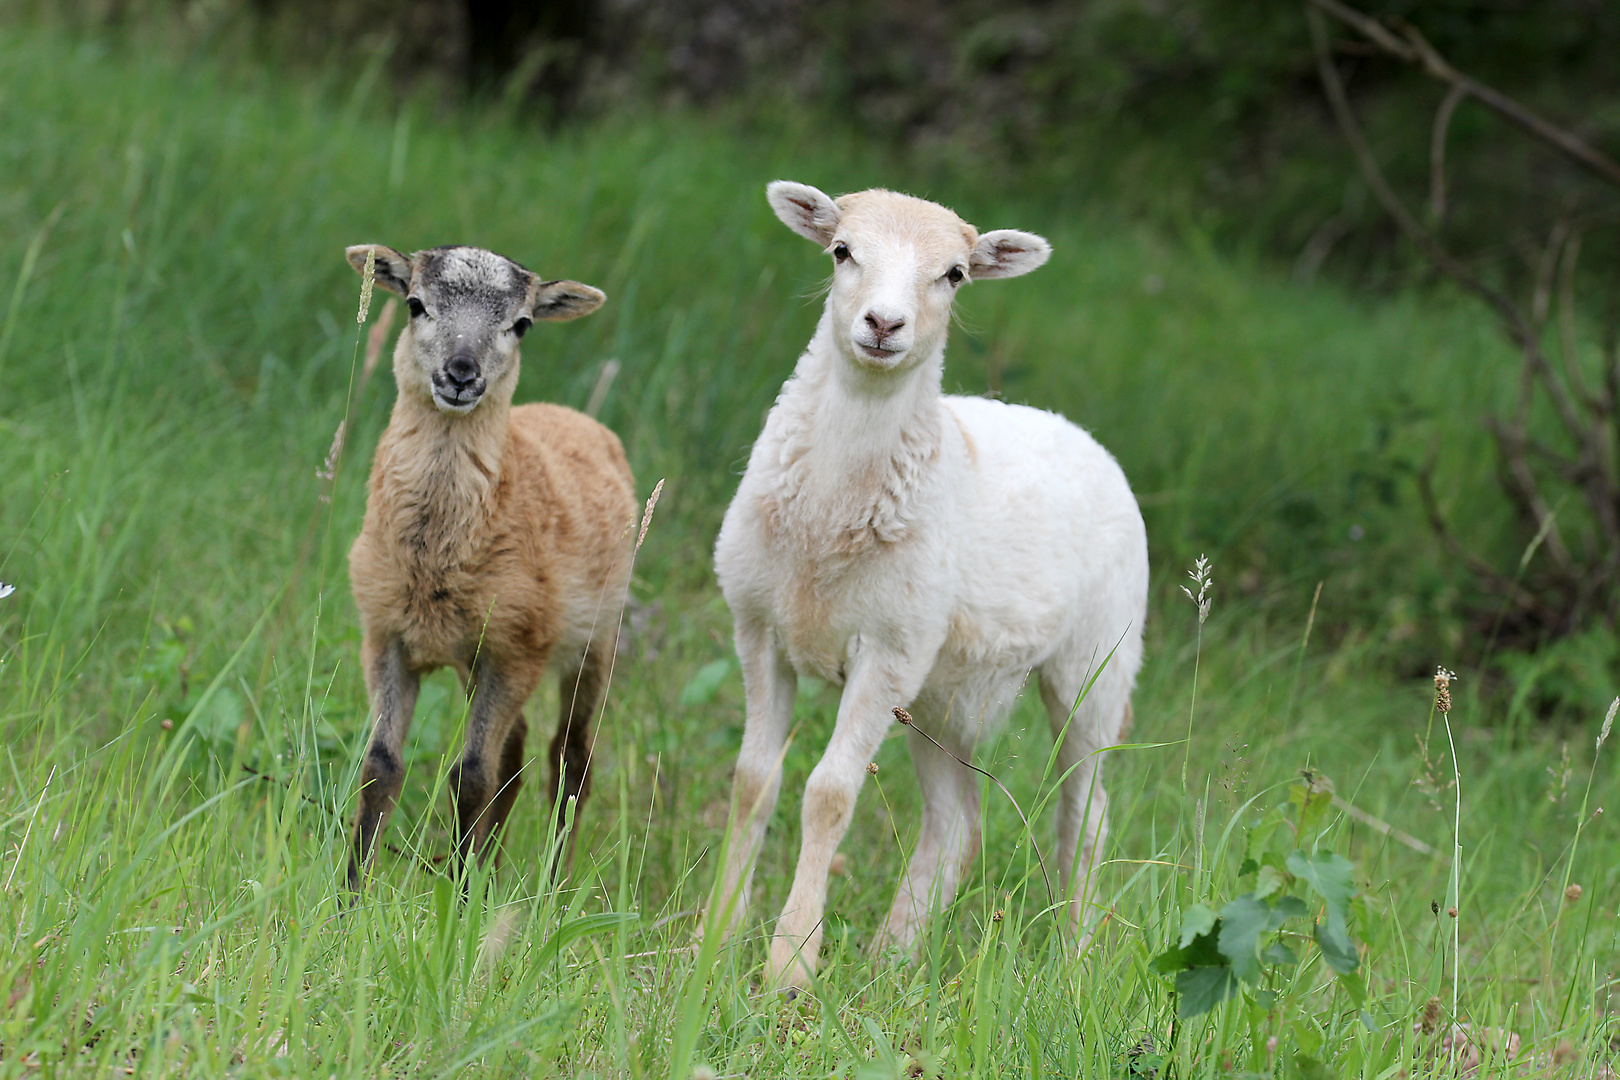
{"points": [[1442, 689], [1603, 733], [646, 516], [1572, 894], [367, 277], [1204, 580]]}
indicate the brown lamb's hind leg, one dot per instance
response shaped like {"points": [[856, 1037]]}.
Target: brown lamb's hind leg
{"points": [[499, 691], [580, 694], [510, 779]]}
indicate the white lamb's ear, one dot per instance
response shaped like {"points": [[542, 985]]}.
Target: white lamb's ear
{"points": [[559, 301], [391, 269], [808, 211], [1007, 253]]}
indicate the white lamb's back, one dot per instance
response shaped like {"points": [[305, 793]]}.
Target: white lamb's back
{"points": [[1051, 542]]}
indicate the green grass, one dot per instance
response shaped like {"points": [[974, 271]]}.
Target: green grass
{"points": [[177, 358]]}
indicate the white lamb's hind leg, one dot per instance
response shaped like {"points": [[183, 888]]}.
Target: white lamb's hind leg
{"points": [[769, 683], [948, 842], [864, 716], [1082, 810]]}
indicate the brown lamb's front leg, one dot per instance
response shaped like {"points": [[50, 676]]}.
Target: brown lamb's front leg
{"points": [[393, 684]]}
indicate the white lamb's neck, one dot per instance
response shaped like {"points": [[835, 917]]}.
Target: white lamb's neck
{"points": [[858, 446], [863, 417]]}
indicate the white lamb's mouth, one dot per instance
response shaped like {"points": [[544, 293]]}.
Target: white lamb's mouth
{"points": [[877, 352]]}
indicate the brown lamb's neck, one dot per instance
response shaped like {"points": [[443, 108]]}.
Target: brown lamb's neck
{"points": [[444, 471]]}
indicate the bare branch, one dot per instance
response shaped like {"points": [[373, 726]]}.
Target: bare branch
{"points": [[1546, 266], [1493, 579], [1437, 153], [1568, 342], [1415, 49], [1519, 328], [1568, 588], [1525, 490]]}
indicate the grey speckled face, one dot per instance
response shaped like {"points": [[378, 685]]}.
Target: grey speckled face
{"points": [[468, 310]]}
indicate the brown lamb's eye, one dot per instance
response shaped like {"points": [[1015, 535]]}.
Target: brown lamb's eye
{"points": [[415, 306], [954, 275], [521, 327], [841, 252]]}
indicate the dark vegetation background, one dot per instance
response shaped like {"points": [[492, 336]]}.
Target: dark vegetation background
{"points": [[1207, 110], [1202, 120]]}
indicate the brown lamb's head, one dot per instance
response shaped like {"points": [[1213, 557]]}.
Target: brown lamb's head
{"points": [[468, 310]]}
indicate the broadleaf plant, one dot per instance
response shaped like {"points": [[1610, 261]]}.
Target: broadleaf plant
{"points": [[1300, 895]]}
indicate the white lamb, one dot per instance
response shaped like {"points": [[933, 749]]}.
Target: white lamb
{"points": [[921, 551]]}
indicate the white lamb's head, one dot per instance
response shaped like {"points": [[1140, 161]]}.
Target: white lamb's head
{"points": [[468, 309], [898, 261]]}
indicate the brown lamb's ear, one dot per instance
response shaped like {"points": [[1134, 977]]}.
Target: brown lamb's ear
{"points": [[559, 301], [390, 269]]}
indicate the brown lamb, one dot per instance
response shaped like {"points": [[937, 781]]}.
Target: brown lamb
{"points": [[496, 540]]}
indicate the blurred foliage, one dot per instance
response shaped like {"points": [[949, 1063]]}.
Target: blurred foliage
{"points": [[1143, 87]]}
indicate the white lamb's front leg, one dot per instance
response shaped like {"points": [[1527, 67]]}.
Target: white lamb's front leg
{"points": [[769, 683], [873, 688], [949, 839]]}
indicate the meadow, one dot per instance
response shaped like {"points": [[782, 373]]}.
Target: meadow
{"points": [[181, 712]]}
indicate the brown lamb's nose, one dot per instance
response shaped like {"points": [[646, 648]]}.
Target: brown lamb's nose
{"points": [[462, 368], [883, 327]]}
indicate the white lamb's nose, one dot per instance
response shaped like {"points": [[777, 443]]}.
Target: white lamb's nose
{"points": [[883, 326]]}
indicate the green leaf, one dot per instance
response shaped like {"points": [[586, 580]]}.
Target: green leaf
{"points": [[1197, 921], [1200, 989], [1328, 874], [1337, 948], [1313, 798], [1311, 1069], [1289, 907], [1260, 835], [1354, 987], [1202, 951], [1269, 881], [706, 682], [1279, 955], [1242, 922]]}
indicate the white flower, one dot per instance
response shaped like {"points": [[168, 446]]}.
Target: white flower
{"points": [[7, 590]]}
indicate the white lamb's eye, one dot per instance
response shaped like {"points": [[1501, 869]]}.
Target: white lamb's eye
{"points": [[954, 275], [841, 252]]}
